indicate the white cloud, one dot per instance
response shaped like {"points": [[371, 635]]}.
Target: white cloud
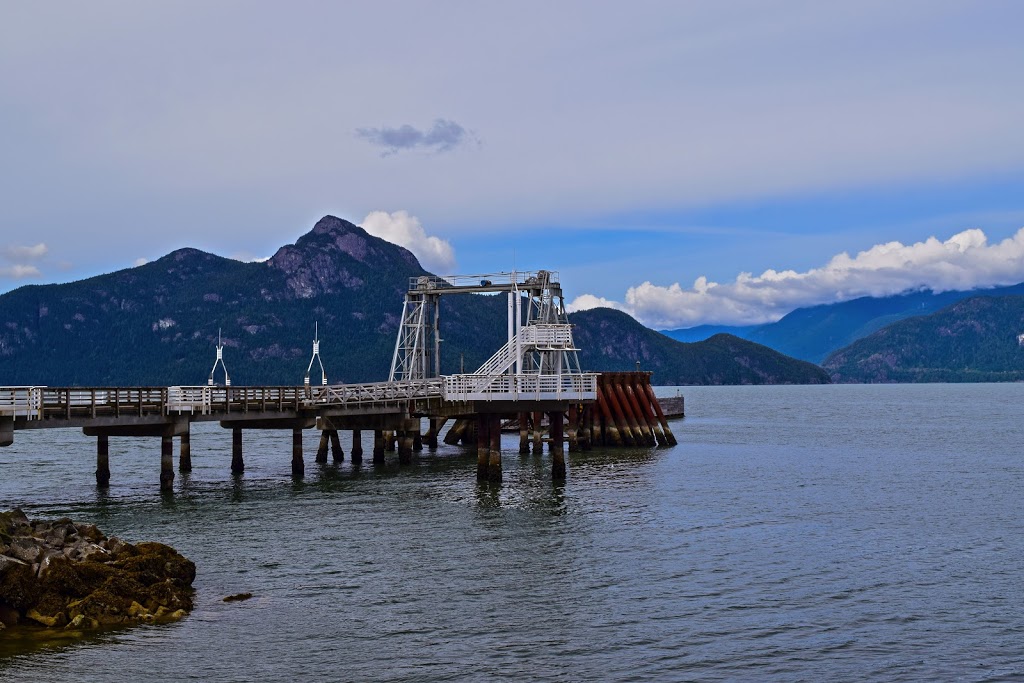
{"points": [[965, 261], [141, 261], [434, 253], [25, 253], [18, 272]]}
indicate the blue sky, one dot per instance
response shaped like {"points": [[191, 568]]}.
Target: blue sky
{"points": [[652, 152]]}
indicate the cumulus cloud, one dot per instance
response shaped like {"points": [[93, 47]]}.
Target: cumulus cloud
{"points": [[21, 258], [404, 230], [964, 261], [141, 261], [25, 253], [443, 136], [18, 271]]}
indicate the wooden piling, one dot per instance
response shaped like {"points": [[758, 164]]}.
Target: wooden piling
{"points": [[611, 429], [634, 408], [321, 449], [627, 413], [337, 454], [102, 461], [644, 403], [661, 416], [185, 452], [555, 446], [586, 428], [417, 438], [166, 463], [494, 456], [237, 463], [378, 447], [390, 438], [298, 466], [357, 446]]}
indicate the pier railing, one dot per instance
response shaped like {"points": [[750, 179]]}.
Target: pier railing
{"points": [[574, 387], [66, 403]]}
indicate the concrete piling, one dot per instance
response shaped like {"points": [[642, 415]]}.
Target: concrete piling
{"points": [[494, 455], [166, 463], [102, 461], [357, 446], [572, 425], [337, 454], [538, 433], [298, 466], [524, 432], [555, 446], [405, 442], [185, 452], [237, 463], [483, 447], [321, 449], [378, 447]]}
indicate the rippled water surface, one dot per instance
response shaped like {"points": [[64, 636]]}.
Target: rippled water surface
{"points": [[796, 533]]}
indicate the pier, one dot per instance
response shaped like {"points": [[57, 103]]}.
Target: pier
{"points": [[534, 380]]}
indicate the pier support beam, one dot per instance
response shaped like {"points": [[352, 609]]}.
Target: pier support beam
{"points": [[185, 452], [405, 441], [357, 446], [557, 452], [455, 432], [337, 454], [435, 426], [102, 461], [378, 447], [574, 418], [524, 432], [483, 447], [389, 441], [298, 466], [417, 439], [538, 433], [237, 464], [321, 449], [166, 463], [494, 456]]}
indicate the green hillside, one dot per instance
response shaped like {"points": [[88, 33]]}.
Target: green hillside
{"points": [[973, 340]]}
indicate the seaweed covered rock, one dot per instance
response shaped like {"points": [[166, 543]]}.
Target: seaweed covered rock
{"points": [[62, 574]]}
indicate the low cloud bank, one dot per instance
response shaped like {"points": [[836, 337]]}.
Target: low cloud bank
{"points": [[434, 253], [964, 261]]}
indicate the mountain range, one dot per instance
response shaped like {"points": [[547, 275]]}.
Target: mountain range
{"points": [[158, 323], [815, 332]]}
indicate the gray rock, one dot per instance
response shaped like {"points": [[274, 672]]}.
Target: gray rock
{"points": [[25, 549], [7, 563]]}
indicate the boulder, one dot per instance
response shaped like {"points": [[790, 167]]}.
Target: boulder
{"points": [[62, 574]]}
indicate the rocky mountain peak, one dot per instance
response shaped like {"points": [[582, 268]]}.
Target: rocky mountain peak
{"points": [[334, 255]]}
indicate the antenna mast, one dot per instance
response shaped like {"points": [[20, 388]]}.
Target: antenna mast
{"points": [[316, 357], [220, 361]]}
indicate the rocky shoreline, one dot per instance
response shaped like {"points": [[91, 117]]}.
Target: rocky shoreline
{"points": [[60, 574]]}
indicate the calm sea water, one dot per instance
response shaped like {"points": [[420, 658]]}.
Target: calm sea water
{"points": [[858, 533]]}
